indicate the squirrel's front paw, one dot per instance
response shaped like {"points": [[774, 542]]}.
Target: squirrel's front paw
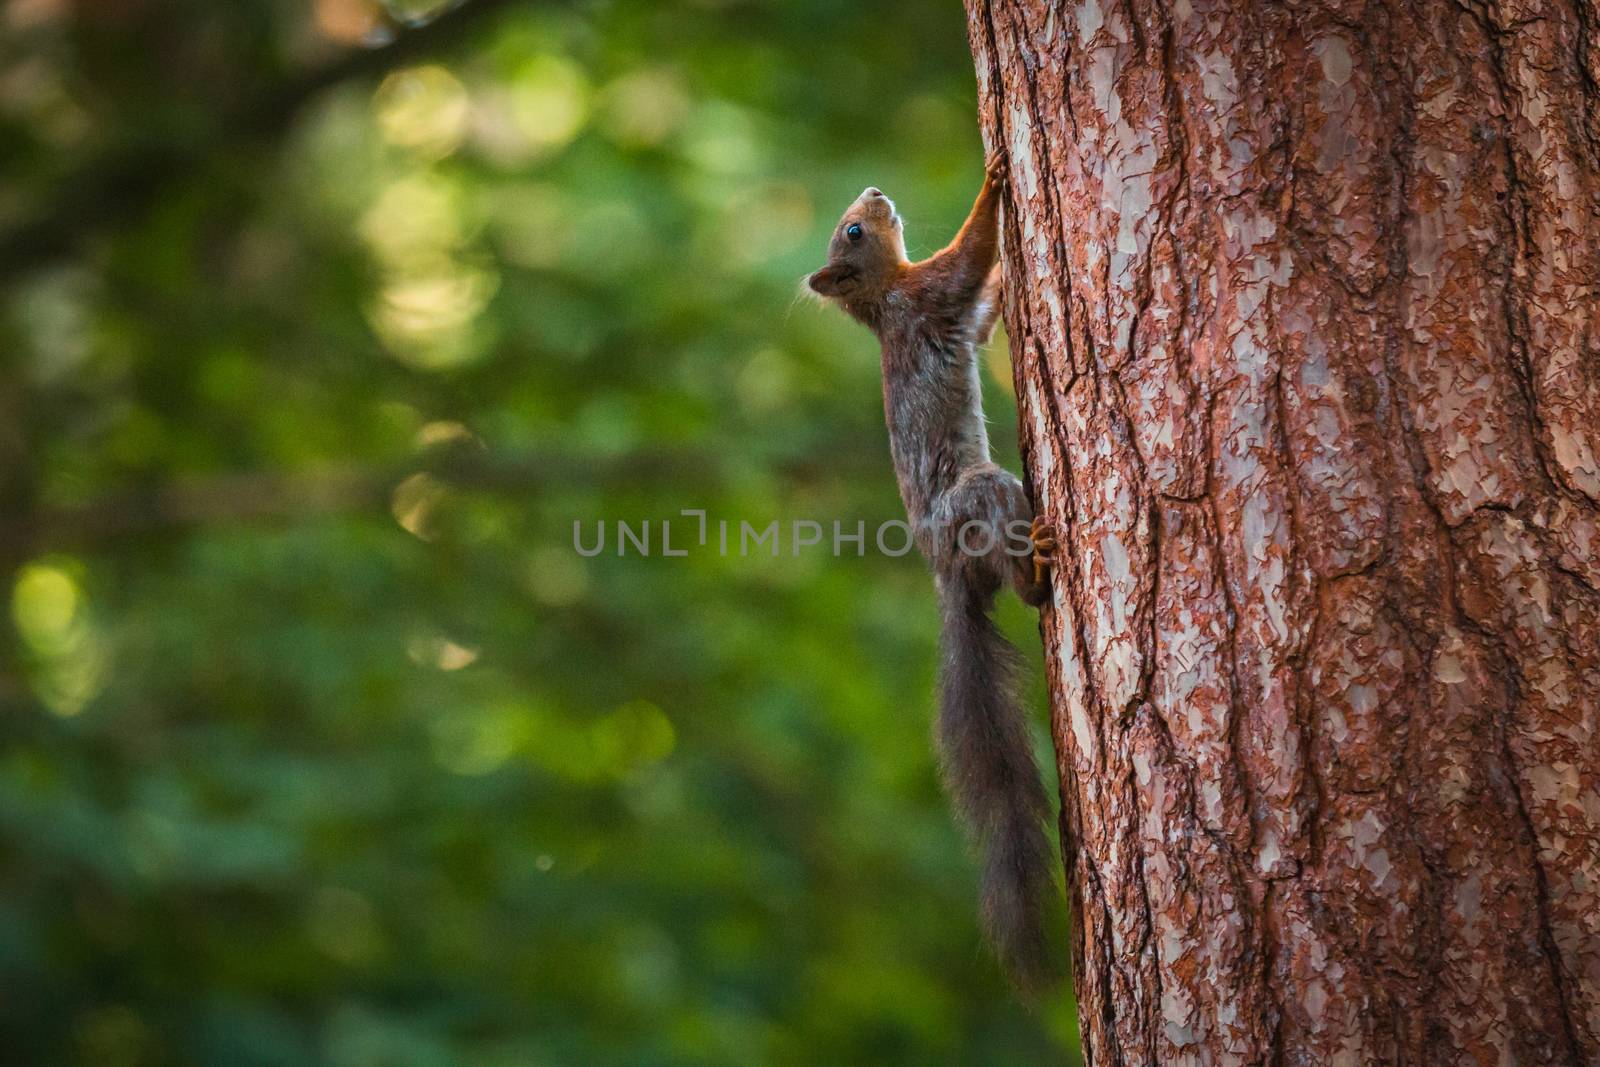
{"points": [[995, 168]]}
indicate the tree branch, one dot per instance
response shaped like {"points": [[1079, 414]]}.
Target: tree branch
{"points": [[246, 497], [258, 497], [122, 186]]}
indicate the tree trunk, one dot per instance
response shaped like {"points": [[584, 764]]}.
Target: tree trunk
{"points": [[1304, 313]]}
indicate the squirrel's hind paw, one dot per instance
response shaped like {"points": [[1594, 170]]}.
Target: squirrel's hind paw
{"points": [[1043, 536]]}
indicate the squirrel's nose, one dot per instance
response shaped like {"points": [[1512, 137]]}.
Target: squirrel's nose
{"points": [[873, 191]]}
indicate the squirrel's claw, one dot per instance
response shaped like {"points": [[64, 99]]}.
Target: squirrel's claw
{"points": [[996, 168], [1043, 536]]}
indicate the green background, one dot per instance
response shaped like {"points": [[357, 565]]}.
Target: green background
{"points": [[320, 743]]}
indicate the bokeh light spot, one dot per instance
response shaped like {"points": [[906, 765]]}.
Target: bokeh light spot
{"points": [[478, 742], [644, 108], [425, 321], [347, 21], [557, 577], [415, 223], [442, 432], [441, 653], [425, 109], [45, 606], [415, 502], [48, 608], [549, 101]]}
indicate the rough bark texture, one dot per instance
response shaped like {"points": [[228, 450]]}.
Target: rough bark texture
{"points": [[1304, 309]]}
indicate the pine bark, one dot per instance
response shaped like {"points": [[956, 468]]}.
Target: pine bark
{"points": [[1304, 301]]}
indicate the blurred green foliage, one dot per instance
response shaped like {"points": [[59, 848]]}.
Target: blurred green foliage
{"points": [[320, 743]]}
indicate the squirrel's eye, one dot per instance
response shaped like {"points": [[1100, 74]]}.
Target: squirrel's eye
{"points": [[853, 231]]}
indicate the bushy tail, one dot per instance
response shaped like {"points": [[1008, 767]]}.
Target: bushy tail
{"points": [[993, 783]]}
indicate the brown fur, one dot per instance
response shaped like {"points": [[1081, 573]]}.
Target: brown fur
{"points": [[929, 318]]}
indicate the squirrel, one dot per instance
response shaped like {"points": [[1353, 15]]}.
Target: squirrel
{"points": [[930, 318]]}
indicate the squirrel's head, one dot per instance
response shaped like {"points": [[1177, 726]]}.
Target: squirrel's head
{"points": [[867, 251]]}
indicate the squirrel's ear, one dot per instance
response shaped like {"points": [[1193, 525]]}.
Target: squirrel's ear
{"points": [[829, 281]]}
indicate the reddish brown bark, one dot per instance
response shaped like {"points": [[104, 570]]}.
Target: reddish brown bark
{"points": [[1304, 309]]}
